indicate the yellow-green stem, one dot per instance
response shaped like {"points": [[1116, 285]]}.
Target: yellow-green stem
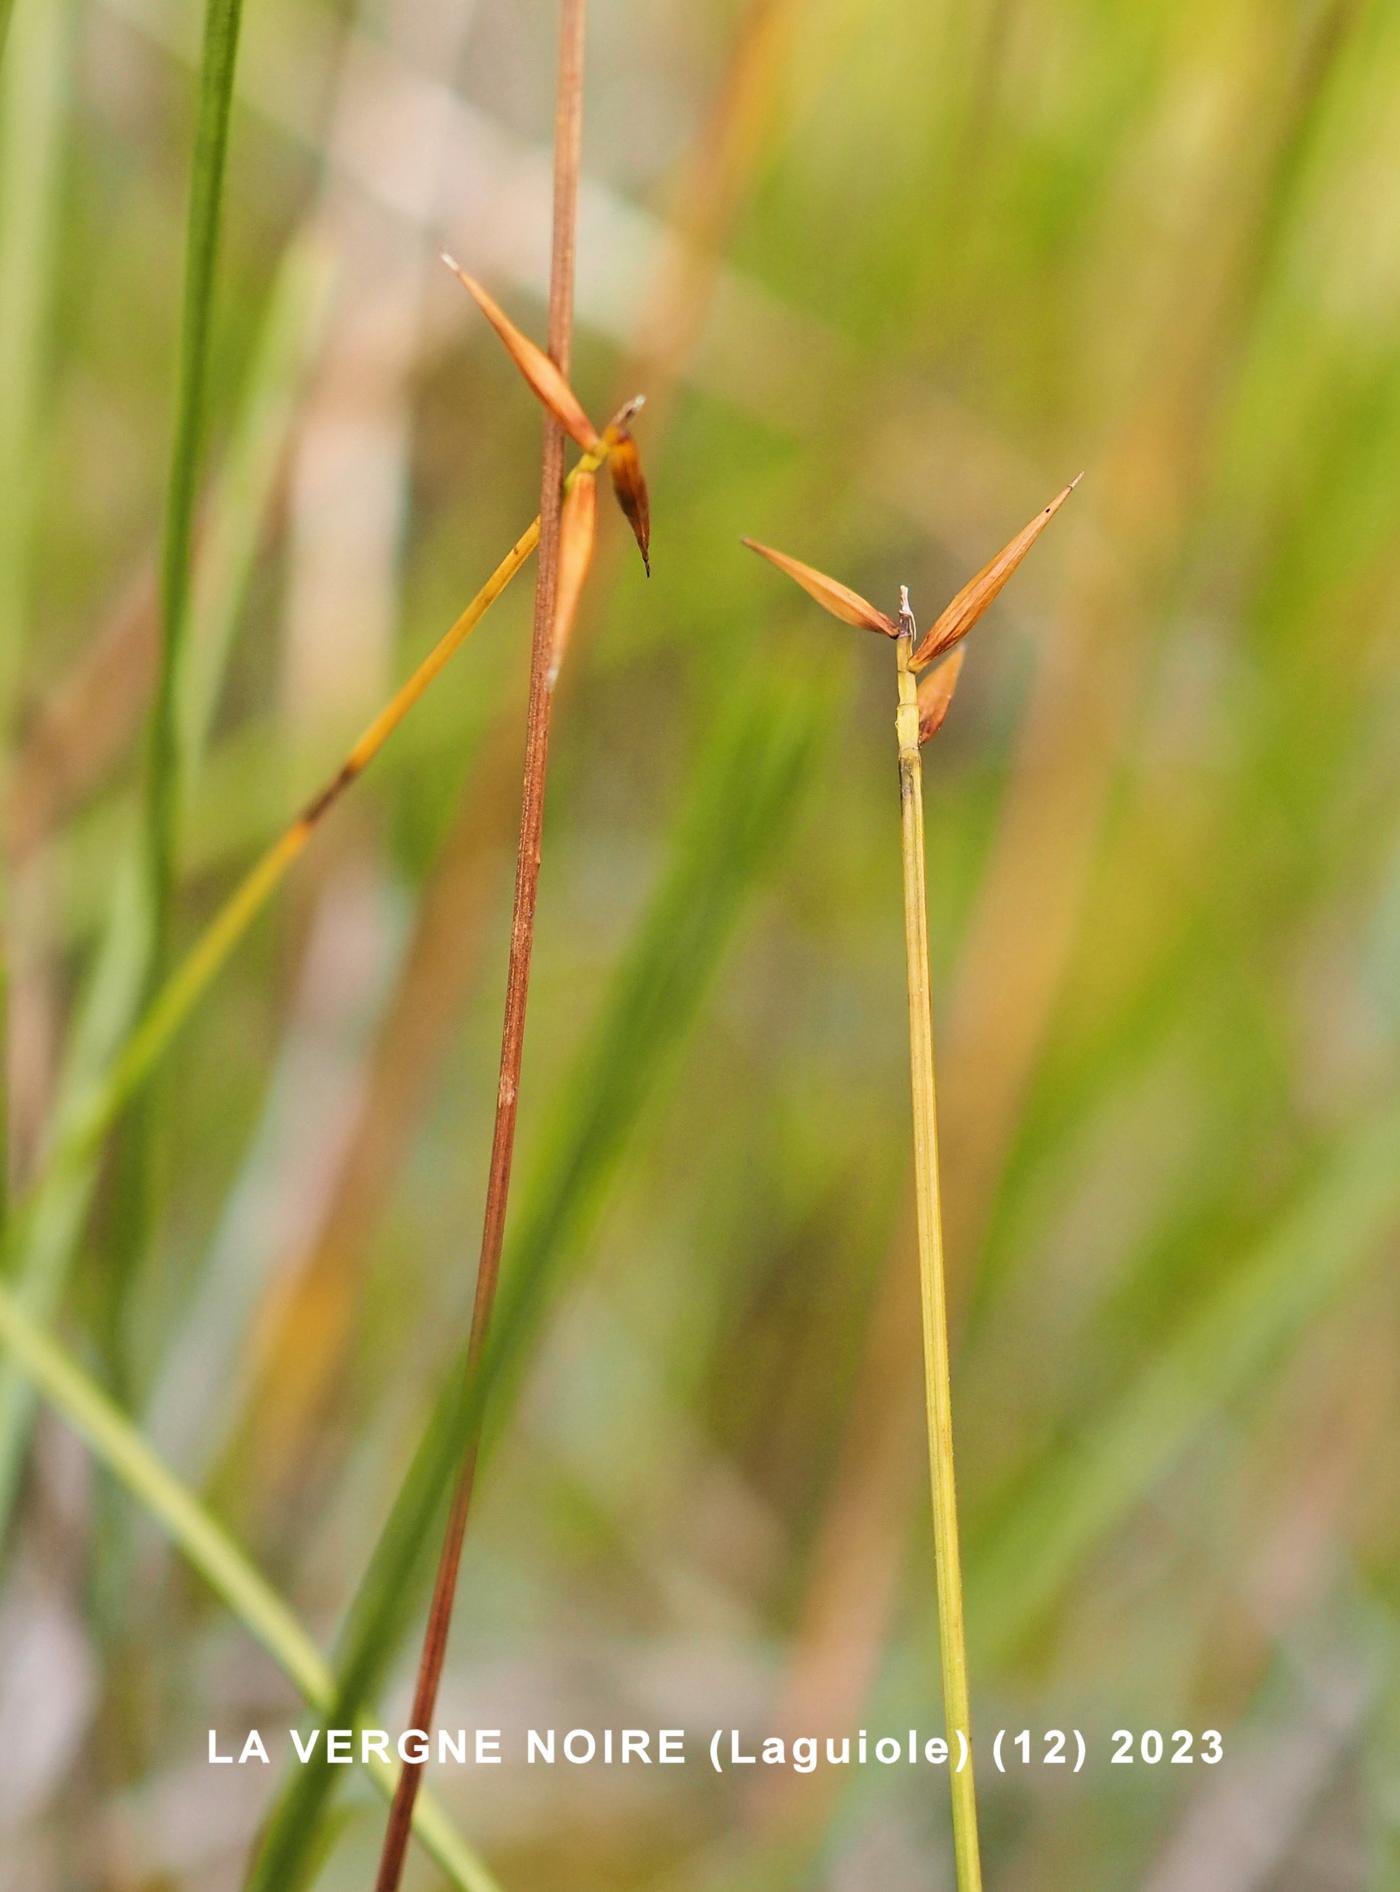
{"points": [[933, 1294]]}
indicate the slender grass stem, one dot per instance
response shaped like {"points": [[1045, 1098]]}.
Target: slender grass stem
{"points": [[34, 104], [209, 1550], [110, 1001], [568, 138], [165, 768], [166, 782], [932, 1285]]}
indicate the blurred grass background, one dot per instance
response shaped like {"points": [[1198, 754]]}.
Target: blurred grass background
{"points": [[889, 276]]}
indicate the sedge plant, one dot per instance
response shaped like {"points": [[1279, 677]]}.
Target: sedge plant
{"points": [[564, 530], [98, 1103], [926, 674]]}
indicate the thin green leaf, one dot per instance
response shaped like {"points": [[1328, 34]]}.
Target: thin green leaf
{"points": [[166, 766], [209, 1549], [34, 104], [1257, 1310], [33, 107], [39, 1245]]}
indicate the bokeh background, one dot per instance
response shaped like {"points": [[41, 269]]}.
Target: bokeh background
{"points": [[890, 275]]}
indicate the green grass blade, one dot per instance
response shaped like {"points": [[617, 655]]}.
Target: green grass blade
{"points": [[34, 100], [1233, 1335], [167, 765], [165, 781], [39, 1245], [40, 1239], [208, 1548], [743, 803], [291, 333]]}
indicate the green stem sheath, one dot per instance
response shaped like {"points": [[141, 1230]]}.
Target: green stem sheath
{"points": [[932, 1283]]}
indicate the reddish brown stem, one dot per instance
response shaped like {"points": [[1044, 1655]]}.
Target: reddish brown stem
{"points": [[568, 128]]}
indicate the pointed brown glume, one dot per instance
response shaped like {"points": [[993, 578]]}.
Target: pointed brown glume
{"points": [[614, 445], [935, 694], [958, 617], [630, 488], [543, 374], [577, 527], [830, 593]]}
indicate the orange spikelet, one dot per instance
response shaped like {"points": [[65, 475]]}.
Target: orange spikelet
{"points": [[577, 524], [837, 598], [541, 373], [936, 694], [958, 618], [629, 484]]}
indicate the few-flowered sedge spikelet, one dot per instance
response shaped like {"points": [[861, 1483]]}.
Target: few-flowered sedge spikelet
{"points": [[833, 596], [577, 523], [629, 484], [936, 689], [536, 366], [954, 622]]}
